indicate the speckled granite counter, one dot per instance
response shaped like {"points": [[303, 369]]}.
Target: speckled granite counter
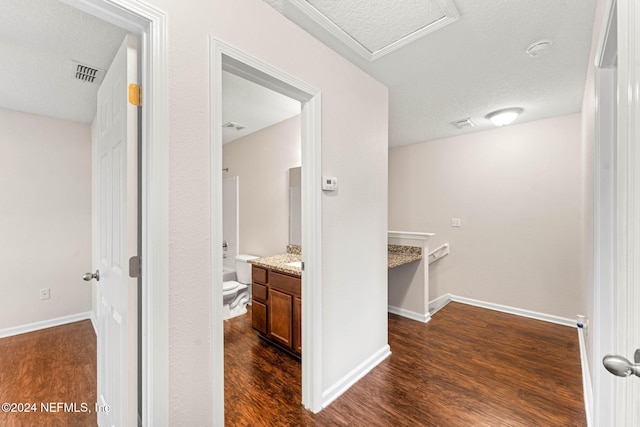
{"points": [[400, 255], [279, 263]]}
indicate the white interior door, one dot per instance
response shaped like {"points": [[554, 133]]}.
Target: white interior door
{"points": [[628, 208], [118, 223]]}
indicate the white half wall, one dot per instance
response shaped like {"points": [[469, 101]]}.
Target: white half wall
{"points": [[262, 161], [517, 190], [409, 283], [45, 218]]}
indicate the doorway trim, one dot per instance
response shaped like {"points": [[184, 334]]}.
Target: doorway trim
{"points": [[150, 24], [229, 58], [602, 408]]}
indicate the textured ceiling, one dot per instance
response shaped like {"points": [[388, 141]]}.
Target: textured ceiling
{"points": [[376, 24], [38, 40], [476, 65], [252, 106]]}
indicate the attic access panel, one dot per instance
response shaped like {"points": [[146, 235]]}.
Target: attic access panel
{"points": [[374, 28]]}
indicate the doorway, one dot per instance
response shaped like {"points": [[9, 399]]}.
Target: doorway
{"points": [[261, 144], [228, 58], [149, 25]]}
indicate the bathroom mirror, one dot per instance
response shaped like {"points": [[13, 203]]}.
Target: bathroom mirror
{"points": [[295, 206]]}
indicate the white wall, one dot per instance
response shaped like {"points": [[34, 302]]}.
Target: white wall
{"points": [[45, 217], [262, 161], [354, 148], [517, 190]]}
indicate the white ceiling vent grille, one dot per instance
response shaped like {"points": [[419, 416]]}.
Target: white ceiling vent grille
{"points": [[234, 125], [86, 73], [464, 123]]}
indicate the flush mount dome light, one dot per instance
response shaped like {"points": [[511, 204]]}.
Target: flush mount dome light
{"points": [[504, 117]]}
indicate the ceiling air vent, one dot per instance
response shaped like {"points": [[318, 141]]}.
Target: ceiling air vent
{"points": [[234, 125], [464, 123], [86, 73]]}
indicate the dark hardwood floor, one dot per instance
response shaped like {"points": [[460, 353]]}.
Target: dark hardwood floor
{"points": [[467, 367], [46, 367]]}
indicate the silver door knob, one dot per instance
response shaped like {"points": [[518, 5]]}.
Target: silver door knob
{"points": [[620, 366], [90, 276]]}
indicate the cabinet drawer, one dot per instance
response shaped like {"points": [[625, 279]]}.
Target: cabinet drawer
{"points": [[258, 274], [259, 292], [285, 283], [259, 317]]}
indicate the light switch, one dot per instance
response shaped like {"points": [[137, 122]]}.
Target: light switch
{"points": [[456, 222]]}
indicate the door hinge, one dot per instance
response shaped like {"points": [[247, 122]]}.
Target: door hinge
{"points": [[135, 266], [135, 94]]}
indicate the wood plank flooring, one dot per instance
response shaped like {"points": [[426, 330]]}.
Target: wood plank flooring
{"points": [[466, 367], [49, 366]]}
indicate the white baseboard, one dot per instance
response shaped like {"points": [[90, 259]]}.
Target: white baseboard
{"points": [[94, 322], [586, 378], [36, 326], [424, 318], [517, 311], [438, 303], [333, 392]]}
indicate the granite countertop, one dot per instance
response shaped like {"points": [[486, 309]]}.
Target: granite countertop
{"points": [[279, 262], [400, 255], [397, 255]]}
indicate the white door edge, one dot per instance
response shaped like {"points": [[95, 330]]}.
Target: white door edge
{"points": [[628, 207]]}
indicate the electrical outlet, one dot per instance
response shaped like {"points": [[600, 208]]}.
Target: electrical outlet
{"points": [[44, 293], [456, 222]]}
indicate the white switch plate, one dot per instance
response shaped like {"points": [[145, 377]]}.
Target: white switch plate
{"points": [[456, 222], [44, 293], [329, 183]]}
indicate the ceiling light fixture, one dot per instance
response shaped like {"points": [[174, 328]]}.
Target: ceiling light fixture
{"points": [[539, 48], [504, 117]]}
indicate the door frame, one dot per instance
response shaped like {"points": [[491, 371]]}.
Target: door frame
{"points": [[226, 57], [617, 211], [150, 25], [604, 217]]}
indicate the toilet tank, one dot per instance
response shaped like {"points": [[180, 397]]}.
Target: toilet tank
{"points": [[243, 268]]}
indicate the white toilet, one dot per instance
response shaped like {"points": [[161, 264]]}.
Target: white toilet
{"points": [[236, 294]]}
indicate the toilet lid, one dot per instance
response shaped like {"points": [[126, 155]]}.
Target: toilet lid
{"points": [[230, 285]]}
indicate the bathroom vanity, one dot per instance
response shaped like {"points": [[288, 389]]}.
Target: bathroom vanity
{"points": [[276, 312]]}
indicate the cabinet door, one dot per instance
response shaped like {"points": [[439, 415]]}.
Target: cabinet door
{"points": [[280, 317], [259, 316], [297, 325]]}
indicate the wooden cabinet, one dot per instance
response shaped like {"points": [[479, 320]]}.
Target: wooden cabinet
{"points": [[277, 308], [259, 310]]}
